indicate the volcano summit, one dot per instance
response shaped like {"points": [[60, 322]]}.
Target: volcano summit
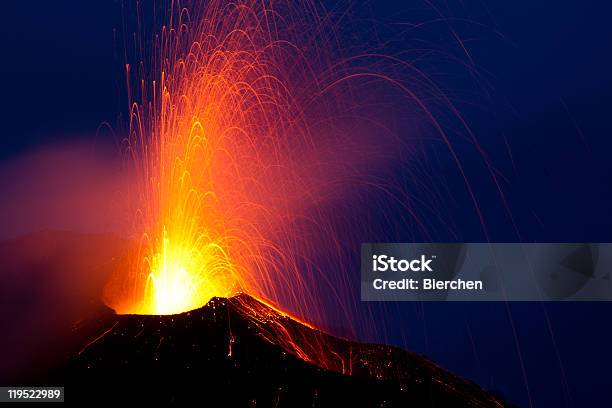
{"points": [[226, 352]]}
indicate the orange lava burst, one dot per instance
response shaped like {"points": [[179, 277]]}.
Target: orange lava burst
{"points": [[216, 132], [230, 177]]}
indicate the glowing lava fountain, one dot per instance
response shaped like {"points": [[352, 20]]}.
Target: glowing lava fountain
{"points": [[236, 156], [218, 139]]}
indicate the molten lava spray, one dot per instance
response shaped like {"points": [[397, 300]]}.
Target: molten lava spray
{"points": [[212, 139], [232, 173]]}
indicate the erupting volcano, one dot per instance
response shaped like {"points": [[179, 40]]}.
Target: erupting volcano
{"points": [[238, 156], [233, 166]]}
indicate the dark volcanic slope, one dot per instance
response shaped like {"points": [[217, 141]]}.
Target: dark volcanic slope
{"points": [[218, 354]]}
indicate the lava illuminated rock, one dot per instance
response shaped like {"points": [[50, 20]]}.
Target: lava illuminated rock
{"points": [[218, 353]]}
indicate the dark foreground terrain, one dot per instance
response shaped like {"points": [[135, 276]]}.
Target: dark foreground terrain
{"points": [[219, 356], [228, 353]]}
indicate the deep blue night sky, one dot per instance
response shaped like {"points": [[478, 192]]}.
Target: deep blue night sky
{"points": [[545, 123]]}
